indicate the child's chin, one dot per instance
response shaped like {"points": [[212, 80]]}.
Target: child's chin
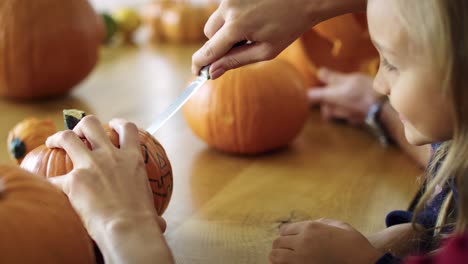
{"points": [[415, 138]]}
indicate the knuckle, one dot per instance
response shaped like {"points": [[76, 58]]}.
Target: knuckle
{"points": [[67, 135], [208, 51], [89, 120]]}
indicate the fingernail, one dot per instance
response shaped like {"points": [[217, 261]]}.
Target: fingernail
{"points": [[217, 73]]}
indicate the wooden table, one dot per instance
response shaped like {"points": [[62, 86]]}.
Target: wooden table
{"points": [[227, 209]]}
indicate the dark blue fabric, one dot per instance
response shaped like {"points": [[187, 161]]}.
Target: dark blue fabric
{"points": [[388, 259], [428, 216]]}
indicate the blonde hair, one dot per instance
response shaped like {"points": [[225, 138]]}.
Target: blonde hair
{"points": [[440, 29]]}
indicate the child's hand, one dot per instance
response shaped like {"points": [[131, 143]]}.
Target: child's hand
{"points": [[345, 96], [107, 184], [322, 241]]}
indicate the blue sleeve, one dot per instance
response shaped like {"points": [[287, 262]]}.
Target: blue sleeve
{"points": [[388, 259]]}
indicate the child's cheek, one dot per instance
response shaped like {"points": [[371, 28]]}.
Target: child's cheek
{"points": [[380, 85]]}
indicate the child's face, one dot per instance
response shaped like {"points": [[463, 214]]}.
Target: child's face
{"points": [[408, 78]]}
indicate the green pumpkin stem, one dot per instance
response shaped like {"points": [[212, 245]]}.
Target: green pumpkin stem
{"points": [[72, 117]]}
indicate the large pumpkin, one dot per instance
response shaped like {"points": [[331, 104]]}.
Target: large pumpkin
{"points": [[297, 56], [55, 162], [38, 223], [46, 46], [341, 43], [250, 110]]}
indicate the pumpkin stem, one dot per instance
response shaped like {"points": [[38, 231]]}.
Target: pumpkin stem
{"points": [[72, 117], [110, 26], [17, 148]]}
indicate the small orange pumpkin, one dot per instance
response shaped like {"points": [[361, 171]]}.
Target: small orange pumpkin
{"points": [[27, 135], [55, 162], [250, 110], [177, 21], [46, 46], [183, 22], [38, 223]]}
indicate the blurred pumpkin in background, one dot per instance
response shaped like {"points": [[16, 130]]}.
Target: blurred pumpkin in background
{"points": [[47, 46], [48, 162], [341, 43], [27, 135], [250, 110], [177, 21], [39, 224]]}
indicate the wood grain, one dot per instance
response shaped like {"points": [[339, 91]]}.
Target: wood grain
{"points": [[225, 208]]}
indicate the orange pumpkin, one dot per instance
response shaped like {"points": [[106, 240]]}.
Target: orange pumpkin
{"points": [[341, 43], [27, 135], [250, 110], [296, 55], [55, 162], [47, 46], [345, 44], [38, 223], [177, 21], [151, 15], [182, 22]]}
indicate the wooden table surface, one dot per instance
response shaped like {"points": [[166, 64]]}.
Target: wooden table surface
{"points": [[227, 209]]}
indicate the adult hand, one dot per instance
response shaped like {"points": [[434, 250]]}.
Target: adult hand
{"points": [[345, 96], [269, 25], [322, 241], [107, 183]]}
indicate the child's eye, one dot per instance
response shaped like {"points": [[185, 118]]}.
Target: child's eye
{"points": [[387, 65]]}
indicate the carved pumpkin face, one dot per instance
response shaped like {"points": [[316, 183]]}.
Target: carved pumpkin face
{"points": [[55, 162], [341, 43], [39, 224]]}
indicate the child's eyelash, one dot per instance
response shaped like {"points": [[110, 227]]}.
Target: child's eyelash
{"points": [[387, 65]]}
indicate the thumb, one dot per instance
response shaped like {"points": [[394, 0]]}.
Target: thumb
{"points": [[329, 76], [61, 182]]}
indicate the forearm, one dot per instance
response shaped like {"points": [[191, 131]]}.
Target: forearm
{"points": [[394, 129], [122, 241], [400, 240], [324, 9]]}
